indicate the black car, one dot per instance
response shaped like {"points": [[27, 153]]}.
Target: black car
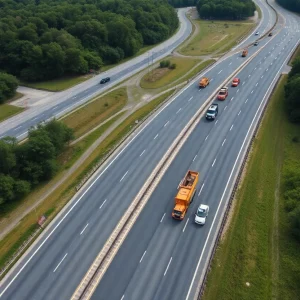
{"points": [[256, 43], [104, 80], [270, 34], [212, 112]]}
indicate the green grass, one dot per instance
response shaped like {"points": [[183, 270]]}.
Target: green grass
{"points": [[198, 69], [258, 11], [57, 85], [214, 36], [54, 203], [97, 111], [6, 111], [248, 251], [161, 77]]}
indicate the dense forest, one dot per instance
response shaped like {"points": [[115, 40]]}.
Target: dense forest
{"points": [[183, 3], [225, 9], [24, 166], [8, 86], [293, 5], [292, 176], [45, 39]]}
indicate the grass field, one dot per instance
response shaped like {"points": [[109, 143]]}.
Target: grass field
{"points": [[6, 111], [97, 111], [258, 232], [63, 194], [57, 84], [161, 77], [215, 36]]}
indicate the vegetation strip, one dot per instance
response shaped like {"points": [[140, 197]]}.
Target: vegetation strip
{"points": [[7, 111]]}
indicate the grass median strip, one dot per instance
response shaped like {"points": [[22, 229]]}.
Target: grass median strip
{"points": [[66, 190], [161, 77], [214, 36], [6, 111], [245, 265], [98, 110]]}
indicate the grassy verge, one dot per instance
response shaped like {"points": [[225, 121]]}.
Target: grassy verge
{"points": [[215, 36], [245, 265], [6, 111], [64, 192], [295, 54], [258, 11], [98, 110], [160, 77], [57, 85]]}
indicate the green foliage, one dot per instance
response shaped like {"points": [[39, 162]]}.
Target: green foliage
{"points": [[293, 5], [41, 40], [172, 66], [229, 9], [25, 166], [292, 91], [8, 86], [183, 3], [164, 64]]}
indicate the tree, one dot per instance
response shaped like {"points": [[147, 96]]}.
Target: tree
{"points": [[7, 157], [294, 217], [6, 188], [8, 86], [75, 62], [292, 90]]}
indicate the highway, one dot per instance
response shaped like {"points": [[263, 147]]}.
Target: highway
{"points": [[55, 265], [162, 258], [60, 103]]}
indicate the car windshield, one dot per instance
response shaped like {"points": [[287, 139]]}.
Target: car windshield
{"points": [[177, 212], [235, 80], [222, 93], [201, 213], [210, 111]]}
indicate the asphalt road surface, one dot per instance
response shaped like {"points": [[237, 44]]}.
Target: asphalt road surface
{"points": [[58, 261], [162, 258], [60, 103]]}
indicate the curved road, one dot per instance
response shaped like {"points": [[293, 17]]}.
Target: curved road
{"points": [[57, 262], [60, 103]]}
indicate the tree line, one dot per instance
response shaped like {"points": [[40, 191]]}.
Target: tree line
{"points": [[293, 5], [8, 86], [292, 176], [225, 9], [45, 39], [24, 166]]}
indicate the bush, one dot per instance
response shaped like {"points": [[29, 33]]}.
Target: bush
{"points": [[164, 64], [172, 66]]}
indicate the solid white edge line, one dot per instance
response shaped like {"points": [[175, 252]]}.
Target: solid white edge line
{"points": [[59, 263], [222, 198]]}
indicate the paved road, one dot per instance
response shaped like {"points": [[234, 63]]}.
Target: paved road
{"points": [[162, 258], [60, 103], [55, 265]]}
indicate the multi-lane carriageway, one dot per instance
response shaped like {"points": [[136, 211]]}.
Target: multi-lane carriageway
{"points": [[170, 251], [162, 258]]}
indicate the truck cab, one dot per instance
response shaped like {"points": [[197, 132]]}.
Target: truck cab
{"points": [[212, 112]]}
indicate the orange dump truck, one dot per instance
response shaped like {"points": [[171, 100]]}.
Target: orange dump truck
{"points": [[185, 195], [204, 82], [245, 52]]}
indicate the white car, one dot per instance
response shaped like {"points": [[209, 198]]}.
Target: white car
{"points": [[256, 33], [201, 214]]}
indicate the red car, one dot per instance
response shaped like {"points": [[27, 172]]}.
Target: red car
{"points": [[235, 82], [223, 93]]}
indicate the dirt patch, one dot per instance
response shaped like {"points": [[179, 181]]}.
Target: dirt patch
{"points": [[156, 74]]}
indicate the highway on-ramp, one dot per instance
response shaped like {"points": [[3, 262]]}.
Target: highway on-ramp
{"points": [[60, 103], [57, 262], [162, 258]]}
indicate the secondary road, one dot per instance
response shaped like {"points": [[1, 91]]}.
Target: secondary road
{"points": [[57, 262], [162, 258], [60, 103]]}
